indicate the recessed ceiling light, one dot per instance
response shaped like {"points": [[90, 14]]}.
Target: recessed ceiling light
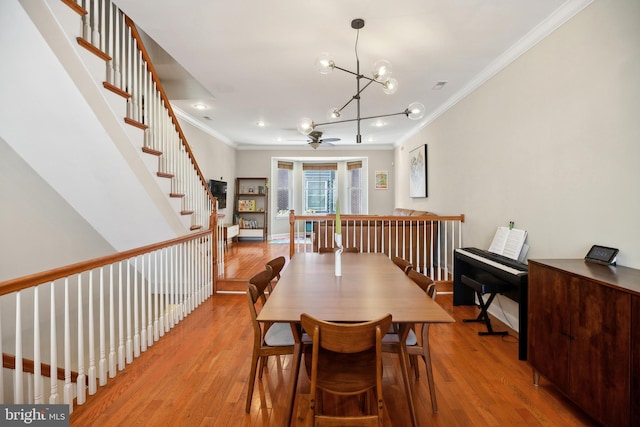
{"points": [[200, 106], [261, 123], [379, 123]]}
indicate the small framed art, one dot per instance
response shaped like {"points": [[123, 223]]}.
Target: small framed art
{"points": [[418, 172], [382, 180]]}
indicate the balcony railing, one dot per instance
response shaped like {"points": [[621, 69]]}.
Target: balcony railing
{"points": [[428, 242]]}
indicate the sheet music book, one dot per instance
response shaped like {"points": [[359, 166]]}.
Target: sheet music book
{"points": [[508, 242]]}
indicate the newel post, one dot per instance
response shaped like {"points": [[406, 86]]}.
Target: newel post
{"points": [[292, 238]]}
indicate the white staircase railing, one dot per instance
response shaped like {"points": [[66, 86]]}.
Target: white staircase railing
{"points": [[112, 36], [101, 315]]}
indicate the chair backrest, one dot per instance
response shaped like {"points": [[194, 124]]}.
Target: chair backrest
{"points": [[261, 281], [345, 337], [276, 264], [402, 263], [357, 369], [425, 282]]}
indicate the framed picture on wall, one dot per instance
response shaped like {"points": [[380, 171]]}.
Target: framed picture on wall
{"points": [[382, 180], [418, 172]]}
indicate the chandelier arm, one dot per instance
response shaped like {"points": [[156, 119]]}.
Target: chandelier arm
{"points": [[405, 112], [362, 76], [356, 96]]}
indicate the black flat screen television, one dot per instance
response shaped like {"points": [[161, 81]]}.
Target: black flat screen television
{"points": [[219, 190]]}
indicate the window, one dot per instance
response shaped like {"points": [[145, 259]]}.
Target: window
{"points": [[319, 185], [355, 188], [284, 188]]}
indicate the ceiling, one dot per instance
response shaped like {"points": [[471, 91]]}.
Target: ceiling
{"points": [[253, 60]]}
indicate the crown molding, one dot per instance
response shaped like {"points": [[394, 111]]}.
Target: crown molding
{"points": [[206, 129], [559, 17]]}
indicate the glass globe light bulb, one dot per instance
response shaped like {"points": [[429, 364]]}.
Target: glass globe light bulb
{"points": [[390, 86], [305, 126], [333, 114], [324, 63], [415, 111], [381, 70]]}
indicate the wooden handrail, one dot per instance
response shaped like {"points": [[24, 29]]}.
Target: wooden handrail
{"points": [[28, 365], [25, 282], [156, 79], [349, 217]]}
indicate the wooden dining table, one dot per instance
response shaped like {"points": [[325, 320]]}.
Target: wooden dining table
{"points": [[370, 287]]}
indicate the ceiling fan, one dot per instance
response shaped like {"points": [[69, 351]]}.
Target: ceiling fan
{"points": [[315, 139]]}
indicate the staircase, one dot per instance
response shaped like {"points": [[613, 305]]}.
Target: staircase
{"points": [[104, 135], [82, 106]]}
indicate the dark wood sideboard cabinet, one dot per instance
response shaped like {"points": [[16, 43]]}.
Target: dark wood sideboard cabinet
{"points": [[584, 335]]}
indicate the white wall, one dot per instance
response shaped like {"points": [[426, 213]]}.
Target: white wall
{"points": [[216, 160], [39, 230], [552, 142]]}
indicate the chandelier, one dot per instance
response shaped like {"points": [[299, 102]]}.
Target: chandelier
{"points": [[381, 75]]}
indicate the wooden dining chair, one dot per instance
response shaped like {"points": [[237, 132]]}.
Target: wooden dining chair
{"points": [[276, 264], [417, 343], [345, 359], [402, 263], [269, 339]]}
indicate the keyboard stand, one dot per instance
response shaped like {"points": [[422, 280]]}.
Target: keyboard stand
{"points": [[481, 289]]}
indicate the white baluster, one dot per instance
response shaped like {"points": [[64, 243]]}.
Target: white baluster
{"points": [[17, 373], [67, 391], [136, 325], [102, 361], [112, 325], [149, 305], [156, 335], [117, 47], [95, 34], [91, 372], [53, 397], [167, 261], [172, 297], [143, 306], [81, 380], [121, 350], [38, 383], [129, 342]]}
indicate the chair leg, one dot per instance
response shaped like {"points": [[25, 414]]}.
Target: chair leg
{"points": [[413, 359], [252, 380], [263, 360]]}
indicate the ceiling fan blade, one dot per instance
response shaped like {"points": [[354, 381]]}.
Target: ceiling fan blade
{"points": [[329, 139]]}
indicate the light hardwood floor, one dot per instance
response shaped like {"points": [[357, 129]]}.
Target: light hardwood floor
{"points": [[196, 375]]}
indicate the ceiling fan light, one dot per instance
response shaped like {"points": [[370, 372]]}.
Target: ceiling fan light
{"points": [[333, 114], [324, 63], [415, 111], [390, 86], [314, 144], [305, 126], [381, 70]]}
